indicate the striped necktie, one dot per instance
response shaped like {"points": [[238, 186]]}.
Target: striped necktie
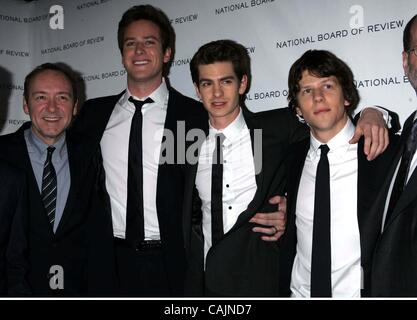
{"points": [[49, 186]]}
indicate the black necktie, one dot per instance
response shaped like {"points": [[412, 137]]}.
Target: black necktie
{"points": [[217, 191], [321, 282], [49, 186], [401, 178], [135, 230]]}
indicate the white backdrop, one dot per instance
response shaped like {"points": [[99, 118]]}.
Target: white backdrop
{"points": [[367, 34]]}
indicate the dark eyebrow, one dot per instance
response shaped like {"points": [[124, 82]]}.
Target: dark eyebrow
{"points": [[221, 79], [146, 38], [44, 92], [227, 78], [65, 92]]}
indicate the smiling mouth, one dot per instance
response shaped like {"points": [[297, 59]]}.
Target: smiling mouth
{"points": [[51, 119], [140, 63]]}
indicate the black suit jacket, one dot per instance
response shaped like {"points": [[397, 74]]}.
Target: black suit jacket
{"points": [[13, 206], [89, 127], [68, 246], [242, 264], [370, 177], [395, 260]]}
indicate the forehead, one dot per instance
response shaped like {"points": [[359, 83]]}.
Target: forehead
{"points": [[216, 70], [308, 77], [143, 28], [49, 79]]}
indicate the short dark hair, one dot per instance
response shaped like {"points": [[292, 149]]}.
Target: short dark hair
{"points": [[223, 51], [322, 63], [66, 72], [407, 33], [156, 16]]}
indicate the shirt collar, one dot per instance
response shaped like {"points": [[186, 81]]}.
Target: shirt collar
{"points": [[159, 96], [40, 147], [233, 131], [338, 145]]}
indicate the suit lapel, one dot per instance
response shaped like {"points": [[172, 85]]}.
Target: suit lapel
{"points": [[20, 150], [294, 175], [258, 146], [74, 188], [362, 191], [409, 193], [298, 153], [103, 116], [190, 176], [163, 173], [383, 194]]}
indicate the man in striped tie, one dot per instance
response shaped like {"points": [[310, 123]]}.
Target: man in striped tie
{"points": [[57, 216]]}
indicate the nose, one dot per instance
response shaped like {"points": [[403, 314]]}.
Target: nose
{"points": [[139, 49], [318, 95], [217, 90], [52, 105]]}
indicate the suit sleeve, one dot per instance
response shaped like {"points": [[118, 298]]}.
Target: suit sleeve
{"points": [[297, 130], [82, 121], [100, 272], [194, 283], [395, 124]]}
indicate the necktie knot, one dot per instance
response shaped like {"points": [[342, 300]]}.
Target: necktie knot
{"points": [[220, 136], [139, 103], [50, 151], [324, 150], [411, 143], [218, 154]]}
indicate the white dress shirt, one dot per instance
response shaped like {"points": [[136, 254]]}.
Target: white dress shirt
{"points": [[239, 184], [344, 229], [115, 149], [413, 166]]}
